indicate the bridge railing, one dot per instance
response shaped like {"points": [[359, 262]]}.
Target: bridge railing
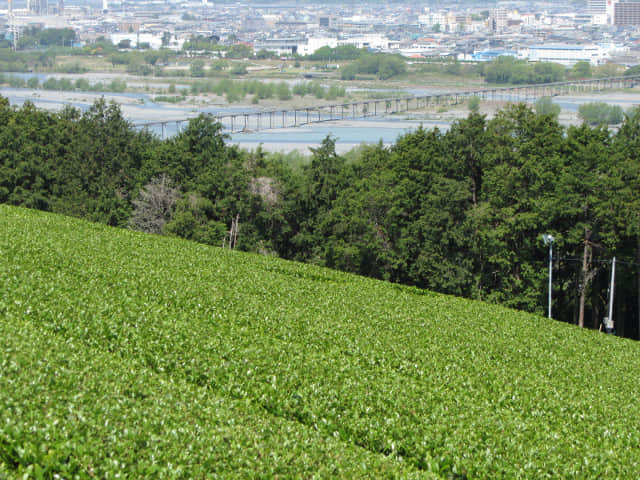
{"points": [[298, 117]]}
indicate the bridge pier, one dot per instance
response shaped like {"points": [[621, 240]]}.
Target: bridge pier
{"points": [[400, 104]]}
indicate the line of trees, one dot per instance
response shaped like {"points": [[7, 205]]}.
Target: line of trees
{"points": [[35, 37], [63, 84], [382, 65], [460, 212], [596, 113], [507, 69], [237, 90]]}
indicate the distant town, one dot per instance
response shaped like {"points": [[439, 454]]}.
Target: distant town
{"points": [[597, 32]]}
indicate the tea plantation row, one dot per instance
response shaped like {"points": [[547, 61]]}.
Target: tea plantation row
{"points": [[139, 354]]}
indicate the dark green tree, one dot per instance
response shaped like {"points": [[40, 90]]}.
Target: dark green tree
{"points": [[582, 191]]}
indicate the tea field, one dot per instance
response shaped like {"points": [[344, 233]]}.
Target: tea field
{"points": [[127, 355]]}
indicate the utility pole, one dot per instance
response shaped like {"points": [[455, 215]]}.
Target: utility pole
{"points": [[548, 240], [13, 29], [611, 292]]}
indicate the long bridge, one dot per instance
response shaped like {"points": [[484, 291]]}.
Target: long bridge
{"points": [[256, 120]]}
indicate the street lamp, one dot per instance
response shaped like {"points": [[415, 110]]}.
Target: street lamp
{"points": [[548, 240]]}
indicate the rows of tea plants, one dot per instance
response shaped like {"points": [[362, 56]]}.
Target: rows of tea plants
{"points": [[78, 412], [404, 381]]}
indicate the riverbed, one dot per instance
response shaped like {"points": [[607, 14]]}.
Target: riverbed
{"points": [[140, 108]]}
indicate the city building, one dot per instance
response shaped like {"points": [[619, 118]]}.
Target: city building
{"points": [[567, 55], [626, 13], [595, 7], [37, 7], [497, 19], [490, 55]]}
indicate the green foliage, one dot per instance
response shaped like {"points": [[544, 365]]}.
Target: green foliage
{"points": [[217, 66], [348, 72], [70, 163], [101, 46], [283, 91], [140, 69], [82, 84], [140, 63], [33, 82], [545, 106], [117, 85], [58, 84], [239, 50], [168, 99], [237, 90], [318, 91], [265, 54], [121, 58], [64, 84], [598, 113], [459, 212], [632, 70], [580, 70], [474, 104], [238, 69], [11, 61], [71, 68], [196, 69], [32, 37], [335, 54], [384, 66], [158, 357], [607, 70], [507, 69], [202, 43], [57, 36]]}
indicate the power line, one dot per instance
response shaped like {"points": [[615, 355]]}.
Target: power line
{"points": [[625, 262]]}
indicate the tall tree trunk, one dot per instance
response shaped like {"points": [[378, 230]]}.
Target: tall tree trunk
{"points": [[586, 261], [476, 182], [638, 276], [474, 190], [597, 311]]}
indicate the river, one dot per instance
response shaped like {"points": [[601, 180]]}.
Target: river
{"points": [[141, 108]]}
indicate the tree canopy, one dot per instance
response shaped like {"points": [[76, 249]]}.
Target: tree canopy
{"points": [[460, 211], [507, 69]]}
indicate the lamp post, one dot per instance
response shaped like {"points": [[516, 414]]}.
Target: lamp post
{"points": [[548, 240], [609, 325]]}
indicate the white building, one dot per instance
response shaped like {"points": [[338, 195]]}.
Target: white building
{"points": [[154, 41], [431, 19], [497, 19], [565, 54], [528, 19], [595, 7], [600, 19], [372, 41], [281, 46], [314, 43]]}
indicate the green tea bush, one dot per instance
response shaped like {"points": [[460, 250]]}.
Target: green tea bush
{"points": [[139, 355]]}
